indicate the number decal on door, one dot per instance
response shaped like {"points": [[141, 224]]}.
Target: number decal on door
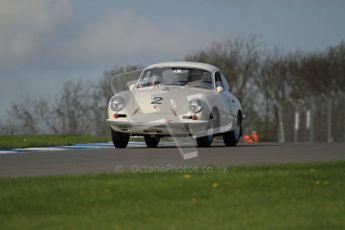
{"points": [[156, 100]]}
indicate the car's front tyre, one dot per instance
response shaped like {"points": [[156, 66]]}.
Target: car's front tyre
{"points": [[151, 141], [206, 141], [231, 138], [120, 140]]}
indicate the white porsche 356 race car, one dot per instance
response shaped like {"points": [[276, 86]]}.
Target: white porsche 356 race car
{"points": [[174, 99]]}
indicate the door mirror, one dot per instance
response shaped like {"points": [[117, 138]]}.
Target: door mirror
{"points": [[220, 89], [131, 87]]}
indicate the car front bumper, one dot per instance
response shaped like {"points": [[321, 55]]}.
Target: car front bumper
{"points": [[161, 127]]}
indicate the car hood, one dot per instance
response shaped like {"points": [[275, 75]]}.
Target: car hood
{"points": [[165, 99]]}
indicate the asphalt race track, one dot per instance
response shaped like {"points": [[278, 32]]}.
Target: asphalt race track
{"points": [[136, 157]]}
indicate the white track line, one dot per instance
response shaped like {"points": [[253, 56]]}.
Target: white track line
{"points": [[107, 145]]}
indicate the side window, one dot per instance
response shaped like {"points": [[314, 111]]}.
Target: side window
{"points": [[225, 82], [218, 80]]}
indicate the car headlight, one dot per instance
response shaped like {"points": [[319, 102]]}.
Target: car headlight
{"points": [[195, 105], [117, 103]]}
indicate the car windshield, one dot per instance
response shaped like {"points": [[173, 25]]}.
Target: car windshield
{"points": [[176, 76]]}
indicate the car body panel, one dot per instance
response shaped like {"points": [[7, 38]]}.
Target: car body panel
{"points": [[150, 109]]}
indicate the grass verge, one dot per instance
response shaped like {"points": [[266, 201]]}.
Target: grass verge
{"points": [[294, 196], [25, 141]]}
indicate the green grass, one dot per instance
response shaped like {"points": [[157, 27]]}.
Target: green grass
{"points": [[296, 196], [24, 141]]}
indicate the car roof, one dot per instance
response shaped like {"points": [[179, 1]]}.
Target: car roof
{"points": [[198, 65]]}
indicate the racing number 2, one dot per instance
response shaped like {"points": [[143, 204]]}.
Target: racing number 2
{"points": [[156, 100]]}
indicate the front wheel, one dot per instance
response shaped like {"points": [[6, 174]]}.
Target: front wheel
{"points": [[231, 138], [120, 140], [151, 141], [206, 141]]}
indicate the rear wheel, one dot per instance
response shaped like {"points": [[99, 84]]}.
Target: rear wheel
{"points": [[152, 141], [120, 140], [231, 138]]}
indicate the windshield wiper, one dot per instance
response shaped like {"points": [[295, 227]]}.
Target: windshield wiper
{"points": [[199, 85], [174, 84]]}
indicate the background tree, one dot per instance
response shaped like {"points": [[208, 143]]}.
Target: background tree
{"points": [[239, 61], [273, 86]]}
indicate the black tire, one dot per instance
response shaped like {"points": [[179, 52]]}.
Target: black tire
{"points": [[206, 141], [231, 138], [120, 140], [151, 141]]}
